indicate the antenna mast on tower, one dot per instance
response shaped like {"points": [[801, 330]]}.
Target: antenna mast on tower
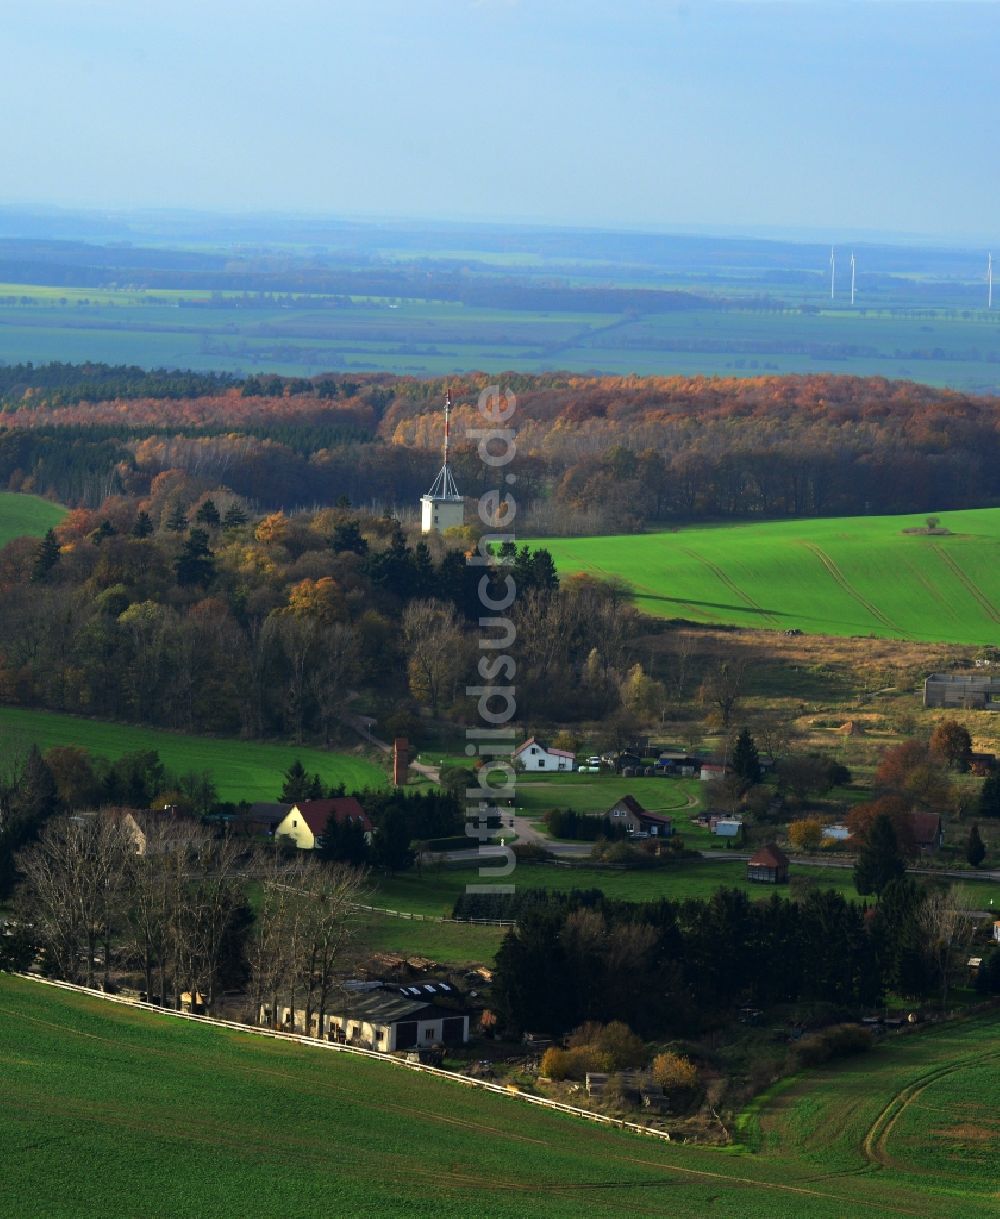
{"points": [[833, 272], [989, 281], [443, 486], [852, 277]]}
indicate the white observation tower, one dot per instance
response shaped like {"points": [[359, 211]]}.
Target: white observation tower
{"points": [[442, 507]]}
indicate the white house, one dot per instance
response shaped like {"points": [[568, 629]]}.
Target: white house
{"points": [[533, 755], [389, 1018]]}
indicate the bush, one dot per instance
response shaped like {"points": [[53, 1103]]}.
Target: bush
{"points": [[840, 1041], [674, 1073], [570, 1064]]}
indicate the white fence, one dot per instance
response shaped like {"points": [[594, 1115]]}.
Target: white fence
{"points": [[453, 1076], [436, 918]]}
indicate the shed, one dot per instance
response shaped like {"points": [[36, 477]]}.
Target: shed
{"points": [[768, 866]]}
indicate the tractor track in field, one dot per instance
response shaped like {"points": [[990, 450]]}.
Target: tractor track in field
{"points": [[874, 1146], [842, 581], [975, 592], [730, 584]]}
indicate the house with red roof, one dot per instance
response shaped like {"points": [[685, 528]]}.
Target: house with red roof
{"points": [[533, 755], [306, 821], [768, 866]]}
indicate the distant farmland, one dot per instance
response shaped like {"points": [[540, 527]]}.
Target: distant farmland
{"points": [[109, 1110], [23, 515], [842, 576], [242, 770]]}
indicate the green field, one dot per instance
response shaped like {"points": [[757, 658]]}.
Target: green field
{"points": [[26, 515], [404, 334], [242, 770], [839, 576], [922, 1109], [109, 1110], [434, 891]]}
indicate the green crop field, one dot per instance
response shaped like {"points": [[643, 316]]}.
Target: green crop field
{"points": [[26, 515], [242, 770], [109, 1110], [921, 1108], [839, 576], [449, 943]]}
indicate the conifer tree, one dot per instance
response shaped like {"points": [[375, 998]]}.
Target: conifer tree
{"points": [[879, 860], [46, 556], [746, 760], [975, 851]]}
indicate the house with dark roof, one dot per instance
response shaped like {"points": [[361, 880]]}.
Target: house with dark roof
{"points": [[533, 755], [637, 822], [306, 821], [768, 866], [383, 1016], [926, 830]]}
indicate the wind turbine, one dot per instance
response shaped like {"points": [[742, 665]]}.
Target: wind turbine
{"points": [[852, 277], [833, 272]]}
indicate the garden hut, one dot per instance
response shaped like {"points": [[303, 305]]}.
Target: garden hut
{"points": [[769, 866]]}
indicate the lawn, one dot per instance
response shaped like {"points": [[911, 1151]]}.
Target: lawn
{"points": [[840, 576], [242, 770], [108, 1110], [26, 515], [597, 793]]}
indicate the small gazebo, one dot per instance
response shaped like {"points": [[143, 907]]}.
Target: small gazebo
{"points": [[768, 866]]}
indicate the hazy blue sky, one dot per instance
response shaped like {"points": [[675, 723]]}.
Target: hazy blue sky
{"points": [[852, 115]]}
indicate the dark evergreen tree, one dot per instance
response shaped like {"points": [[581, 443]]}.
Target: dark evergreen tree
{"points": [[104, 530], [235, 517], [975, 850], [177, 521], [26, 803], [143, 526], [195, 564], [391, 843], [879, 859], [296, 784], [208, 514], [343, 843], [746, 760], [316, 789], [347, 537], [46, 556], [989, 796]]}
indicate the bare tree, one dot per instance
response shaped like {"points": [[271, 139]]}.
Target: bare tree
{"points": [[74, 876], [302, 935], [946, 926], [433, 640], [722, 689]]}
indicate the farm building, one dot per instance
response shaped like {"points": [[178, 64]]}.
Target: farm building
{"points": [[153, 831], [967, 690], [676, 762], [533, 755], [305, 821], [713, 770], [628, 812], [769, 866], [384, 1017]]}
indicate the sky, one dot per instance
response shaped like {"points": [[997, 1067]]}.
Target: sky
{"points": [[853, 116]]}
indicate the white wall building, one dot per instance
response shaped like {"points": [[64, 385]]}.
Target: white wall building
{"points": [[533, 755]]}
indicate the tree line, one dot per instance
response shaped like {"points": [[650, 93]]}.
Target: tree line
{"points": [[674, 968]]}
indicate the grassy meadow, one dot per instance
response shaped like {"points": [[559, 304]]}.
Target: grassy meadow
{"points": [[26, 516], [839, 576], [435, 890], [113, 1110], [242, 770]]}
